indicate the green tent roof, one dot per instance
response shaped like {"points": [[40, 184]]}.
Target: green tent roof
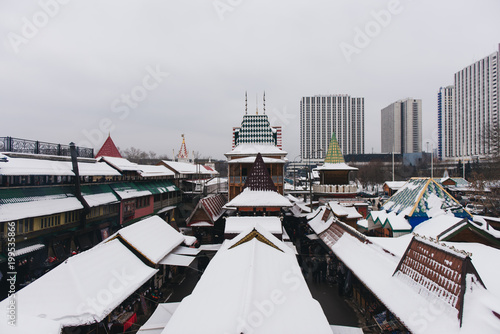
{"points": [[334, 154]]}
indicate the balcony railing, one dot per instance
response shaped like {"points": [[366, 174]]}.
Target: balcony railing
{"points": [[335, 189]]}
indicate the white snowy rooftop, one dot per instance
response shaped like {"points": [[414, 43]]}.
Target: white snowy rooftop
{"points": [[158, 319], [375, 263], [349, 212], [316, 220], [189, 168], [236, 225], [337, 166], [121, 164], [395, 185], [153, 237], [40, 206], [82, 290], [437, 226], [251, 160], [155, 171], [58, 167], [247, 279], [253, 149], [258, 198]]}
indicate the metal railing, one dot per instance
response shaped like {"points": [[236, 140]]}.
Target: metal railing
{"points": [[18, 145]]}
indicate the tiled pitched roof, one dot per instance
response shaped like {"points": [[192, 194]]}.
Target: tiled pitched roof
{"points": [[259, 178], [438, 270], [213, 206], [334, 154], [108, 149]]}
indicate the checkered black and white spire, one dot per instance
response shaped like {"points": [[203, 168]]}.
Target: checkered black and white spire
{"points": [[255, 129]]}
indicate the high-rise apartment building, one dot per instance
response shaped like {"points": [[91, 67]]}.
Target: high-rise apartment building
{"points": [[322, 115], [472, 128], [402, 126], [445, 121]]}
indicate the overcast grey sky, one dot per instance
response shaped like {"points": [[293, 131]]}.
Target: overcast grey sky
{"points": [[152, 70]]}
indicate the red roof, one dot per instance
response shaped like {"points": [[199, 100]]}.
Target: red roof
{"points": [[108, 149], [213, 206], [208, 209]]}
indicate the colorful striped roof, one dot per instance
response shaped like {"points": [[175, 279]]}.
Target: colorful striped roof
{"points": [[334, 154], [419, 196]]}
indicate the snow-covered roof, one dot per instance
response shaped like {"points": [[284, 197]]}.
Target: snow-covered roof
{"points": [[146, 171], [437, 227], [28, 249], [397, 222], [251, 270], [96, 169], [84, 289], [153, 237], [425, 198], [375, 262], [189, 168], [258, 198], [208, 210], [98, 194], [40, 206], [155, 171], [250, 160], [129, 190], [121, 164], [395, 185], [348, 212], [57, 166], [317, 220], [253, 149], [159, 319], [236, 225], [363, 223], [338, 166], [29, 325]]}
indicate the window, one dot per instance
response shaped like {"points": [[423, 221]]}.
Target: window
{"points": [[50, 221], [71, 217], [24, 225], [142, 202]]}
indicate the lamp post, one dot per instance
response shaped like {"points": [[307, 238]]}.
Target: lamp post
{"points": [[294, 171], [432, 159], [310, 178]]}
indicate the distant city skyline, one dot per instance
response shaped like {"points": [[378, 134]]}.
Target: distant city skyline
{"points": [[401, 124], [323, 115], [470, 128], [149, 72]]}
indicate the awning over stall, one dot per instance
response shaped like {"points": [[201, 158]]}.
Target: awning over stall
{"points": [[177, 260]]}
